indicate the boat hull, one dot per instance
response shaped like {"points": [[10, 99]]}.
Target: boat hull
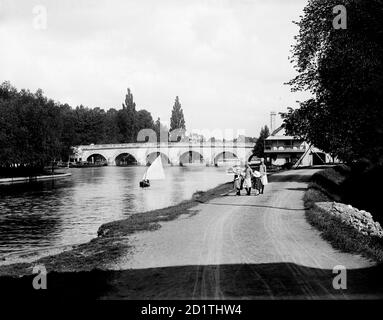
{"points": [[144, 184]]}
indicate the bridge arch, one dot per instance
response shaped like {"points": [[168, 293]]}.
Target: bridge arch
{"points": [[225, 158], [125, 159], [191, 157], [150, 157], [96, 158]]}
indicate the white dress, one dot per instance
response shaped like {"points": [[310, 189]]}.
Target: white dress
{"points": [[247, 182], [264, 179], [262, 170]]}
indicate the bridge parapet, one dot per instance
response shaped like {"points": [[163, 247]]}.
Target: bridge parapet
{"points": [[166, 145], [210, 152]]}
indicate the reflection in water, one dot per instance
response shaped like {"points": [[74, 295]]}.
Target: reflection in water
{"points": [[50, 214]]}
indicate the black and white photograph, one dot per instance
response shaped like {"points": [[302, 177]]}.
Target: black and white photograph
{"points": [[205, 151]]}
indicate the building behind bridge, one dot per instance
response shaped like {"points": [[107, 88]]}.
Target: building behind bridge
{"points": [[281, 149]]}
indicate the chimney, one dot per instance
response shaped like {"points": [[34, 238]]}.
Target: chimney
{"points": [[273, 114]]}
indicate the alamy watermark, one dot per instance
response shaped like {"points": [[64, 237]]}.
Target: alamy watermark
{"points": [[340, 280], [340, 20], [40, 280]]}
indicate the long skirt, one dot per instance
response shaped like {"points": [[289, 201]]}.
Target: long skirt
{"points": [[247, 183], [237, 183], [257, 184], [264, 180]]}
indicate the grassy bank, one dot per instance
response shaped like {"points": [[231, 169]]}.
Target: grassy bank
{"points": [[113, 239], [342, 230]]}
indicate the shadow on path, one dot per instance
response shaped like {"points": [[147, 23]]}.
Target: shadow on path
{"points": [[252, 205], [253, 281], [297, 189], [291, 177]]}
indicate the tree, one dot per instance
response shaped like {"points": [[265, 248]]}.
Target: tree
{"points": [[68, 136], [31, 130], [34, 130], [144, 120], [259, 148], [250, 139], [177, 120], [112, 134], [161, 131], [89, 125], [343, 70], [126, 119]]}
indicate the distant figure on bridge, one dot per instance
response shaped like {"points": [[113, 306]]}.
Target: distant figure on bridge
{"points": [[263, 172]]}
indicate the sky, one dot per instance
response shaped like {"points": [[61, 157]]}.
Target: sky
{"points": [[227, 60]]}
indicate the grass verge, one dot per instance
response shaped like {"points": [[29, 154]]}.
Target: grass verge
{"points": [[341, 236]]}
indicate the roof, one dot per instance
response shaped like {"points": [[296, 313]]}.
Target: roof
{"points": [[280, 134], [277, 131]]}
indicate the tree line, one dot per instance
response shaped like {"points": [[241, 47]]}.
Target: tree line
{"points": [[35, 130], [343, 70]]}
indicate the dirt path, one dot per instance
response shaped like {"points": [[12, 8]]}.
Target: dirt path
{"points": [[248, 246]]}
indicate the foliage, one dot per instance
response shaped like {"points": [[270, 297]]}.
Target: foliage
{"points": [[31, 128], [259, 148], [144, 120], [126, 119], [177, 120], [34, 130], [343, 70]]}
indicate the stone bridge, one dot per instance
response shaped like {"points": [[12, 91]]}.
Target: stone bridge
{"points": [[174, 153]]}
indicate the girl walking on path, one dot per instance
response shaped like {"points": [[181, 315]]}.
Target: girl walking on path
{"points": [[256, 182], [237, 180], [248, 175], [262, 170]]}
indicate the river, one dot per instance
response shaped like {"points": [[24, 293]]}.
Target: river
{"points": [[44, 217]]}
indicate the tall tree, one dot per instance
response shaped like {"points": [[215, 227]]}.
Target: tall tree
{"points": [[343, 69], [259, 148], [127, 119], [177, 120]]}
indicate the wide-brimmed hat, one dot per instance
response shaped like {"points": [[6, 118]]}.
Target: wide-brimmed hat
{"points": [[256, 174]]}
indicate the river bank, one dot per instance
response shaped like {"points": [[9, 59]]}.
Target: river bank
{"points": [[12, 180], [215, 245], [347, 228], [113, 239]]}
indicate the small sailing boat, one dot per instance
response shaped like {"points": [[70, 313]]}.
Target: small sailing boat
{"points": [[154, 172]]}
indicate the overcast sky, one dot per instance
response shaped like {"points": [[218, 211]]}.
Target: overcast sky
{"points": [[226, 60]]}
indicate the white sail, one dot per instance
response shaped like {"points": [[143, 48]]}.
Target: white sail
{"points": [[155, 171]]}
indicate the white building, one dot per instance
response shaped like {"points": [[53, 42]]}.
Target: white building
{"points": [[281, 149]]}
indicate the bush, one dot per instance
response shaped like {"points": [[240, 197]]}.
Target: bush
{"points": [[287, 166]]}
